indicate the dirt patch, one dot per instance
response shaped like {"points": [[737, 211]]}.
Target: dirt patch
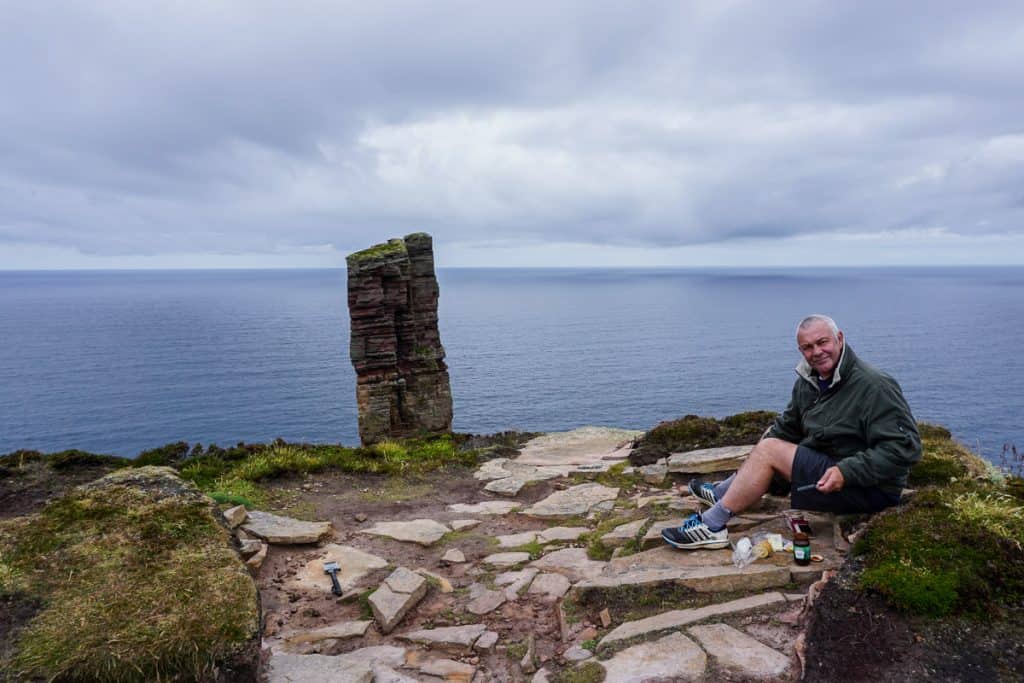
{"points": [[855, 636], [25, 490]]}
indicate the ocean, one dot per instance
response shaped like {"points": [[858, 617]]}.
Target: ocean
{"points": [[121, 361]]}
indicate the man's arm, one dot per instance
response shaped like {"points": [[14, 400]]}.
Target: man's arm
{"points": [[893, 442]]}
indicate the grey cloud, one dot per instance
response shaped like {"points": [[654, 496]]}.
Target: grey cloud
{"points": [[236, 127]]}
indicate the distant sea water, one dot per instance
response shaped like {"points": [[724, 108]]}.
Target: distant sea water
{"points": [[118, 362]]}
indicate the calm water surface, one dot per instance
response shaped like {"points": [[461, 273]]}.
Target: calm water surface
{"points": [[117, 362]]}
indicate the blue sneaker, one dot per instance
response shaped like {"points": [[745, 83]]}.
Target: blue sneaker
{"points": [[704, 492], [694, 534]]}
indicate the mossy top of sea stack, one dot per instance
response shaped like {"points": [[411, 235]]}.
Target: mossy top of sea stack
{"points": [[139, 581], [385, 251]]}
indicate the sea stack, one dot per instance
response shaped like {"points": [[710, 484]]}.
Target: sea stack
{"points": [[402, 386]]}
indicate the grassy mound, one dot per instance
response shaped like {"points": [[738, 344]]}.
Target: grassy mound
{"points": [[958, 546], [135, 580], [692, 432]]}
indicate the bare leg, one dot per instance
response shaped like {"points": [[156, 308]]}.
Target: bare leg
{"points": [[755, 474]]}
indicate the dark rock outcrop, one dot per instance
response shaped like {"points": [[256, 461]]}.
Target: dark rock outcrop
{"points": [[402, 386]]}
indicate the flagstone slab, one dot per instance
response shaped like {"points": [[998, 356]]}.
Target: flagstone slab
{"points": [[395, 597], [509, 486], [573, 563], [516, 540], [486, 601], [351, 667], [312, 642], [699, 579], [561, 533], [578, 446], [550, 586], [675, 656], [666, 556], [487, 507], [575, 500], [623, 534], [284, 530], [447, 637], [741, 653], [425, 532], [675, 619], [463, 524], [505, 559], [515, 582], [705, 460], [353, 565]]}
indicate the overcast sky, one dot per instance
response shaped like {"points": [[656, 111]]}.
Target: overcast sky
{"points": [[256, 134]]}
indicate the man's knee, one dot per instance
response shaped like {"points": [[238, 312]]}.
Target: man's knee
{"points": [[775, 452]]}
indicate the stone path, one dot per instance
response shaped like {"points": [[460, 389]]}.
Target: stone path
{"points": [[549, 580]]}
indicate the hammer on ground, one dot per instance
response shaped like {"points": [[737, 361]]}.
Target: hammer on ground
{"points": [[332, 568]]}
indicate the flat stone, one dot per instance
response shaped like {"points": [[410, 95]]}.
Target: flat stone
{"points": [[311, 642], [443, 584], [514, 587], [561, 533], [572, 563], [505, 559], [578, 446], [739, 524], [462, 524], [403, 580], [665, 556], [542, 676], [385, 674], [739, 652], [674, 656], [235, 516], [453, 556], [354, 564], [675, 619], [577, 654], [448, 637], [705, 460], [623, 534], [284, 530], [351, 667], [486, 642], [448, 669], [550, 586], [509, 486], [806, 575], [255, 561], [249, 547], [390, 605], [643, 501], [492, 469], [654, 474], [487, 507], [576, 500], [516, 540], [487, 601], [425, 532], [699, 579]]}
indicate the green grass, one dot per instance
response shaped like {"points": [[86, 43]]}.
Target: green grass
{"points": [[590, 672], [691, 432], [136, 588]]}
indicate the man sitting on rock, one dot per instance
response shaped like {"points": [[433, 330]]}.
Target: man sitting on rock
{"points": [[845, 443]]}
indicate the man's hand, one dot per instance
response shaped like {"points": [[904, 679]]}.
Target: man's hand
{"points": [[831, 481]]}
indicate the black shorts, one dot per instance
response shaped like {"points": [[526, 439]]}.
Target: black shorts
{"points": [[809, 466]]}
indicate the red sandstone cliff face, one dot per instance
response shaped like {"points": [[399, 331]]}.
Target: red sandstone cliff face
{"points": [[402, 386]]}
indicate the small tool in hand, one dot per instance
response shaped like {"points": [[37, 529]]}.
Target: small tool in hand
{"points": [[806, 487], [332, 568]]}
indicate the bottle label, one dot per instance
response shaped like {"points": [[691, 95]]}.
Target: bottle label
{"points": [[802, 552]]}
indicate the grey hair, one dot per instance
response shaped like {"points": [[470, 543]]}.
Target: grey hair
{"points": [[818, 318]]}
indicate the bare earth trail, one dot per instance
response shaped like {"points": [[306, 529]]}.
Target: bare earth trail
{"points": [[473, 590]]}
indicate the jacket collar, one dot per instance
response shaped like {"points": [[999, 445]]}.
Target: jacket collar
{"points": [[846, 360]]}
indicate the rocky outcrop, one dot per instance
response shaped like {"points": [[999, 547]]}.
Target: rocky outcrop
{"points": [[402, 386]]}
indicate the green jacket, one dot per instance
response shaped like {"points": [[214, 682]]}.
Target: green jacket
{"points": [[862, 420]]}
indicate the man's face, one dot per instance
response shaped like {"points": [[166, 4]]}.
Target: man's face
{"points": [[820, 349]]}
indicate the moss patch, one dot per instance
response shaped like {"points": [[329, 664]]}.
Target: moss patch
{"points": [[393, 247], [949, 551], [138, 586], [943, 459], [590, 672], [693, 432]]}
